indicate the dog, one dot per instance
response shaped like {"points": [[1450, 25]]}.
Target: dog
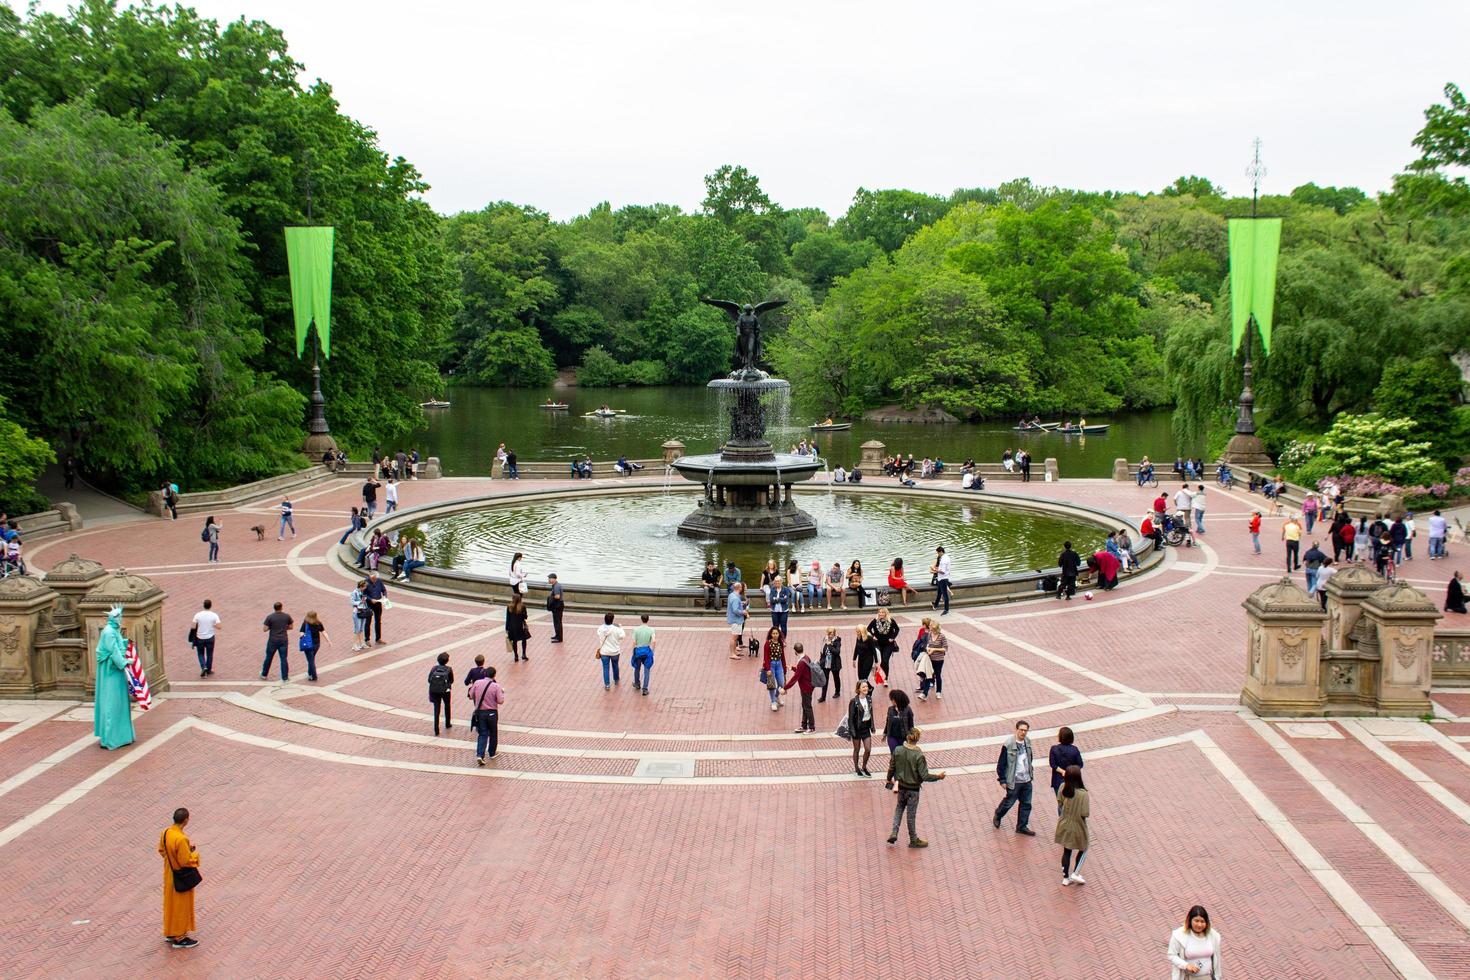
{"points": [[259, 532]]}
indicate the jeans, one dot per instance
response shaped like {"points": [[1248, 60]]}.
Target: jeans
{"points": [[778, 620], [1293, 555], [942, 595], [409, 566], [204, 649], [1199, 521], [372, 508], [1408, 549], [813, 595], [438, 700], [1311, 516], [646, 663], [392, 506], [936, 682], [347, 534], [310, 656], [272, 647], [1311, 580], [908, 802], [1021, 792], [610, 664], [487, 737], [285, 523], [1256, 541], [214, 551], [1436, 547], [778, 669]]}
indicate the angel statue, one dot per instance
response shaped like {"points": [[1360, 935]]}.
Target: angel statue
{"points": [[748, 324], [113, 709]]}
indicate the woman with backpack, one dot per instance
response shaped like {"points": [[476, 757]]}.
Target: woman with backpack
{"points": [[773, 665], [312, 633], [360, 616], [441, 682], [831, 662], [860, 726], [210, 536], [516, 630], [896, 728]]}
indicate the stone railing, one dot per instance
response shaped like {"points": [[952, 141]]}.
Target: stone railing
{"points": [[1293, 495], [58, 521], [1163, 472], [541, 469], [202, 501], [1450, 658]]}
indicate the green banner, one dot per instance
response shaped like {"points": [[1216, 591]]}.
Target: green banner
{"points": [[1254, 246], [309, 254]]}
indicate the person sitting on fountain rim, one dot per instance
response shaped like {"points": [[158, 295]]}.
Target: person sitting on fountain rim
{"points": [[626, 468], [856, 476]]}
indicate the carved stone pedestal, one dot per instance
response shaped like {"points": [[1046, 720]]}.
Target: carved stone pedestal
{"points": [[1283, 651], [25, 612], [1403, 620], [142, 621]]}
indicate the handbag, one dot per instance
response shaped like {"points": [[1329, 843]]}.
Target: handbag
{"points": [[878, 674], [770, 680], [843, 732], [185, 879]]}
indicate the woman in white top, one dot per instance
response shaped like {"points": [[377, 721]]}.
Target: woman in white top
{"points": [[609, 650], [1194, 948], [1323, 575], [518, 574]]}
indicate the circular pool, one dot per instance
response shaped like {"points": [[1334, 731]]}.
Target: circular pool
{"points": [[630, 541]]}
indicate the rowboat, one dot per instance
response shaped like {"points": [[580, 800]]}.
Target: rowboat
{"points": [[1089, 430], [554, 406], [435, 403], [833, 427], [1043, 427], [606, 413]]}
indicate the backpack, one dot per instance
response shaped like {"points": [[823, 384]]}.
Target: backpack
{"points": [[204, 534], [439, 679], [819, 676], [308, 641]]}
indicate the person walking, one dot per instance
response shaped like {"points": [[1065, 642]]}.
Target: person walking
{"points": [[286, 520], [1312, 564], [556, 604], [475, 672], [910, 770], [441, 682], [1291, 533], [171, 499], [860, 726], [1062, 755], [896, 726], [644, 640], [779, 596], [864, 655], [935, 648], [376, 593], [801, 676], [773, 665], [1310, 509], [211, 537], [1255, 529], [312, 634], [1194, 948], [277, 627], [1438, 529], [940, 571], [1197, 504], [736, 610], [831, 663], [390, 496], [1324, 575], [1014, 770], [516, 630], [180, 878], [370, 496], [201, 634], [487, 696], [609, 650], [1071, 830], [360, 615], [897, 581], [884, 629], [1070, 562]]}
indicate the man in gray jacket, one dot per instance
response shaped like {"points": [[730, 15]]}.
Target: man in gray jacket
{"points": [[1014, 770]]}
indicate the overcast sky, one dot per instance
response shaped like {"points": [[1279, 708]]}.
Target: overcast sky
{"points": [[563, 104]]}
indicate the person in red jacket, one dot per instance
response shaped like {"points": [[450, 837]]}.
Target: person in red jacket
{"points": [[1151, 530], [1105, 566], [801, 676], [1255, 526], [1161, 504]]}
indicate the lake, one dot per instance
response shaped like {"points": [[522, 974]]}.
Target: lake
{"points": [[465, 435]]}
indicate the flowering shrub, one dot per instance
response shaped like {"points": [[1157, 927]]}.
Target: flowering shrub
{"points": [[1362, 486], [1296, 453], [1440, 490], [1373, 444], [1462, 476]]}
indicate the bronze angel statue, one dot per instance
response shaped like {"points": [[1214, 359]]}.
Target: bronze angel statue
{"points": [[748, 327]]}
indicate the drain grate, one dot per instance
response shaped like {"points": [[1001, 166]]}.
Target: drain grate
{"points": [[665, 768], [691, 705]]}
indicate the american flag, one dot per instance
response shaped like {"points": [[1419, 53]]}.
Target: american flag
{"points": [[137, 680]]}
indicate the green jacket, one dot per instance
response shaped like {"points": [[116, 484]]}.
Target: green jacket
{"points": [[910, 768]]}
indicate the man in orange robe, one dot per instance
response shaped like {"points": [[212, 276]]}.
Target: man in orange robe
{"points": [[178, 907]]}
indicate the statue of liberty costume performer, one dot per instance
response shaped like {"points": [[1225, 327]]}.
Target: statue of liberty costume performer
{"points": [[113, 719]]}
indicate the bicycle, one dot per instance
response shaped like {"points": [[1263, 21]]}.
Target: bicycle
{"points": [[1225, 478], [1151, 480]]}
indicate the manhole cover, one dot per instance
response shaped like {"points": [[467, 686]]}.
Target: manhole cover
{"points": [[665, 768], [686, 704]]}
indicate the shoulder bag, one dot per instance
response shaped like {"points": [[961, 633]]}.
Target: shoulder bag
{"points": [[475, 716], [186, 878]]}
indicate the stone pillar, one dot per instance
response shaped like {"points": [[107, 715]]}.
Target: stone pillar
{"points": [[1282, 652], [69, 514], [432, 469], [25, 612], [155, 505], [1346, 591], [673, 449], [1404, 620], [871, 459], [72, 578], [1050, 468], [1120, 470], [142, 622]]}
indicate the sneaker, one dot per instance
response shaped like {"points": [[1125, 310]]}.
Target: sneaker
{"points": [[799, 731], [645, 692], [1066, 880], [184, 943], [923, 697], [1026, 830], [607, 687], [263, 677], [480, 759], [893, 839], [495, 755], [916, 842], [773, 706], [1078, 880], [939, 696]]}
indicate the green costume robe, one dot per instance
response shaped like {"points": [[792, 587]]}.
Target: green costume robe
{"points": [[113, 711]]}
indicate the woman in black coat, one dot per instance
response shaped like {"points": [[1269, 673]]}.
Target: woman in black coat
{"points": [[860, 726], [883, 628], [1454, 599], [516, 630], [864, 654]]}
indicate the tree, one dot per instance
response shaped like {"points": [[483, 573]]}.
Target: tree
{"points": [[513, 357], [1194, 187], [1339, 199], [823, 257], [888, 218], [1425, 390], [733, 196], [22, 458]]}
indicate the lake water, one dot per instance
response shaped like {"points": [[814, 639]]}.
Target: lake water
{"points": [[465, 435]]}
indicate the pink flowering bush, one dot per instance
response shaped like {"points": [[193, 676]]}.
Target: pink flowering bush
{"points": [[1362, 486], [1462, 476]]}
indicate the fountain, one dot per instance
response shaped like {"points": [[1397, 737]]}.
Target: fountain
{"points": [[747, 485]]}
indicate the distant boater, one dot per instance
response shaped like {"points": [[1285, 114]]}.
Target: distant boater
{"points": [[748, 324]]}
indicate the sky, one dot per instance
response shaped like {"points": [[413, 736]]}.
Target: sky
{"points": [[562, 104]]}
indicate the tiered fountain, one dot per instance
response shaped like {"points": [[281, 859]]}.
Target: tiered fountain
{"points": [[747, 485]]}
